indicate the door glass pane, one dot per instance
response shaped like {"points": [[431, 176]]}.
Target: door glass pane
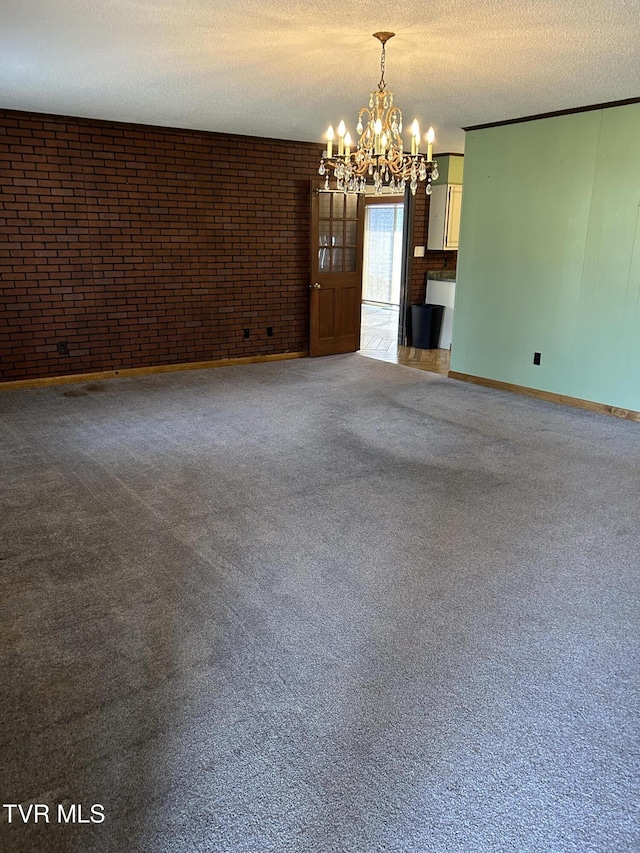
{"points": [[351, 230], [324, 232], [338, 206], [349, 260], [352, 206], [325, 205], [336, 233], [323, 260], [336, 260]]}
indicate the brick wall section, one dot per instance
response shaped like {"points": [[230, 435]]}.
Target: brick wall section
{"points": [[145, 246], [432, 260]]}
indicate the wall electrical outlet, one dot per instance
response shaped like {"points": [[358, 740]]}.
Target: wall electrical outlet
{"points": [[269, 331], [536, 357], [62, 347], [247, 333]]}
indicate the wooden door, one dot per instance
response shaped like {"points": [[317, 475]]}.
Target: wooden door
{"points": [[337, 230]]}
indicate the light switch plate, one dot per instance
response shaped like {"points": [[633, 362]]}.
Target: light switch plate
{"points": [[418, 251]]}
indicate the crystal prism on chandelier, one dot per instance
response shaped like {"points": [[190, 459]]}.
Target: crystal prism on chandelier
{"points": [[379, 153]]}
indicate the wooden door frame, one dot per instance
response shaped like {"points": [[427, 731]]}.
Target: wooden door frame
{"points": [[373, 201], [404, 325]]}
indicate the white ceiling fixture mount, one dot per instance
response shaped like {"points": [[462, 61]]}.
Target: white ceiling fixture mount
{"points": [[379, 153]]}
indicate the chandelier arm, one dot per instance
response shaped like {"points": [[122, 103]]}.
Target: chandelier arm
{"points": [[397, 166], [395, 114], [359, 169], [365, 136]]}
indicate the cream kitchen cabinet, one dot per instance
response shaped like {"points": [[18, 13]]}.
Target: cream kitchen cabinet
{"points": [[444, 216]]}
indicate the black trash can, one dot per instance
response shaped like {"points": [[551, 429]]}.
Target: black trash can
{"points": [[426, 323]]}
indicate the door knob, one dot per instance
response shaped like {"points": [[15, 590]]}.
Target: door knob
{"points": [[317, 286]]}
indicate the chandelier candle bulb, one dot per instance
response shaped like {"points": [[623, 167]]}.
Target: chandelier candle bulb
{"points": [[430, 137], [330, 142], [341, 132], [378, 130], [415, 137], [347, 145]]}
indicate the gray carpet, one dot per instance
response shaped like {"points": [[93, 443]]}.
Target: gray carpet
{"points": [[315, 606]]}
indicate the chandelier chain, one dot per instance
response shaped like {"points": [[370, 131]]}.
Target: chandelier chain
{"points": [[382, 84]]}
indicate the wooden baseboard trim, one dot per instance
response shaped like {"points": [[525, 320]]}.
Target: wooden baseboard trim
{"points": [[601, 408], [45, 381]]}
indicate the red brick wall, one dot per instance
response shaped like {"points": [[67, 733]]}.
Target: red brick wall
{"points": [[146, 246]]}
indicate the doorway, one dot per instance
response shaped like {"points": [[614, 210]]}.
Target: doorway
{"points": [[381, 276]]}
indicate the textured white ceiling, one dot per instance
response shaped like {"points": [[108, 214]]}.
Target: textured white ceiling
{"points": [[286, 70]]}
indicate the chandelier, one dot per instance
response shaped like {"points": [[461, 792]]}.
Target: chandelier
{"points": [[379, 154]]}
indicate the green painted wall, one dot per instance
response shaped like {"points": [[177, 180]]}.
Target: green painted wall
{"points": [[549, 256], [450, 168]]}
